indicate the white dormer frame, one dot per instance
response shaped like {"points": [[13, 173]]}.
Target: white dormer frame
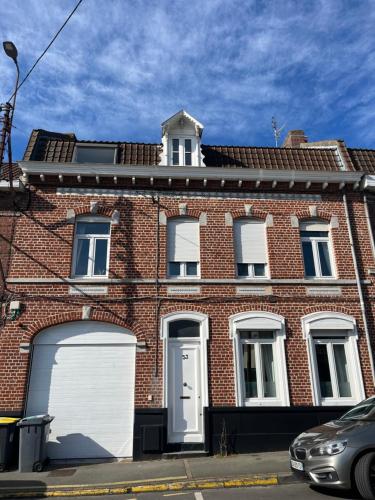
{"points": [[182, 126]]}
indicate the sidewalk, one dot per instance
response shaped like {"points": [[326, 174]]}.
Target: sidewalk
{"points": [[156, 475]]}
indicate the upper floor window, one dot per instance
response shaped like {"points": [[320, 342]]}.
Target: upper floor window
{"points": [[316, 249], [91, 247], [183, 247], [182, 150], [250, 248], [95, 154]]}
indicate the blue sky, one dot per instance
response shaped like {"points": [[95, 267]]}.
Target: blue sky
{"points": [[121, 67]]}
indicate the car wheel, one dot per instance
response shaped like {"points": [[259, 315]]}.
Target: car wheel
{"points": [[364, 475]]}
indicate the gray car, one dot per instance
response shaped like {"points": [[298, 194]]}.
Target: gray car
{"points": [[340, 453]]}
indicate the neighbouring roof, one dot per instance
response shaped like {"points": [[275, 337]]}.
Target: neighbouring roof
{"points": [[363, 159], [5, 170]]}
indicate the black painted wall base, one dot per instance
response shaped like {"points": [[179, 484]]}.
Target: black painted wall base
{"points": [[232, 430], [247, 430]]}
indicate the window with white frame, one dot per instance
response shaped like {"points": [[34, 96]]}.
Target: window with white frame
{"points": [[182, 151], [183, 247], [250, 248], [91, 247], [316, 249], [335, 367], [94, 154], [261, 378]]}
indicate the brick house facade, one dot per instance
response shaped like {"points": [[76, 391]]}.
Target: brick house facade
{"points": [[274, 352]]}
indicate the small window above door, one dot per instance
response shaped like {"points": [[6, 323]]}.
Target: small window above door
{"points": [[184, 328]]}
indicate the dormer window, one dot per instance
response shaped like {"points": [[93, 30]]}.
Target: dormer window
{"points": [[181, 136], [182, 151], [95, 154]]}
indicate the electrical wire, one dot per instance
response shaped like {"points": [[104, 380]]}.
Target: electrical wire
{"points": [[46, 49]]}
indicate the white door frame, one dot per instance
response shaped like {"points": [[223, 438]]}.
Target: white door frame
{"points": [[202, 319]]}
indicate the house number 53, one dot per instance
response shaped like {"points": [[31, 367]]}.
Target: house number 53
{"points": [[185, 356]]}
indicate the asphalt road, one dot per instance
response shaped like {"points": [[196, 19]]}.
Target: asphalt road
{"points": [[290, 491]]}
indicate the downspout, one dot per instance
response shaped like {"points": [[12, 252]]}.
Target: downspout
{"points": [[359, 287], [367, 215], [157, 286]]}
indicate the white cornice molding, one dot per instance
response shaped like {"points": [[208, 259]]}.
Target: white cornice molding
{"points": [[166, 172]]}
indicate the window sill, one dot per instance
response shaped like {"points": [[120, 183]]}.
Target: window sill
{"points": [[263, 402], [339, 402]]}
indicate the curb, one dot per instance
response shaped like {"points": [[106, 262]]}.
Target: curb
{"points": [[203, 484]]}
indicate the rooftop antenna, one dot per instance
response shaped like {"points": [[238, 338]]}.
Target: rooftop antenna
{"points": [[276, 130]]}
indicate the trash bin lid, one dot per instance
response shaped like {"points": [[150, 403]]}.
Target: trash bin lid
{"points": [[8, 420], [35, 420]]}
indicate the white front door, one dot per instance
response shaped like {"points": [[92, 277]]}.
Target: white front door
{"points": [[185, 411]]}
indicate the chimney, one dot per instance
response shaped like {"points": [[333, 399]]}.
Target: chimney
{"points": [[294, 139]]}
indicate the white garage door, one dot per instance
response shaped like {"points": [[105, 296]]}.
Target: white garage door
{"points": [[82, 373]]}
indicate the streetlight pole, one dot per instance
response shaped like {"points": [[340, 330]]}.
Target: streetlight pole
{"points": [[8, 108]]}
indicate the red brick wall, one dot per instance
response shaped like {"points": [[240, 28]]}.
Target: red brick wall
{"points": [[43, 249]]}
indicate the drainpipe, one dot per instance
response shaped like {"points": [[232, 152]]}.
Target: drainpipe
{"points": [[359, 287], [367, 215]]}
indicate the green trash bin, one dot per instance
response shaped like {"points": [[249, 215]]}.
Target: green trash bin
{"points": [[8, 442]]}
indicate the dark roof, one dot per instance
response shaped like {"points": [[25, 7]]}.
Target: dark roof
{"points": [[5, 169], [54, 147], [270, 158], [321, 156], [363, 159]]}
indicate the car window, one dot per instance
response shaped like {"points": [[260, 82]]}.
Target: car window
{"points": [[364, 410]]}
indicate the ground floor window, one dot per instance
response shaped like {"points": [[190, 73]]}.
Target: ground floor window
{"points": [[260, 367], [334, 361]]}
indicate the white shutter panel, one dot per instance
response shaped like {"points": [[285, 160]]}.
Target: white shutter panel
{"points": [[250, 242], [183, 240]]}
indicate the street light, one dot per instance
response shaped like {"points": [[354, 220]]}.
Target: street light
{"points": [[11, 51]]}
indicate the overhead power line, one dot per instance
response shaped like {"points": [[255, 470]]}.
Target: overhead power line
{"points": [[47, 48]]}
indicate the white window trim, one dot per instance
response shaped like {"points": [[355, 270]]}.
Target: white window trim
{"points": [[183, 275], [267, 274], [93, 146], [181, 138], [331, 324], [90, 237], [270, 321], [314, 240], [203, 339]]}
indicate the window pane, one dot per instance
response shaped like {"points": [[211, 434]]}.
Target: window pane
{"points": [[191, 268], [176, 158], [250, 374], [316, 234], [82, 257], [269, 385], [176, 144], [174, 269], [93, 227], [325, 264], [184, 328], [95, 155], [323, 371], [188, 145], [242, 270], [342, 371], [187, 158], [308, 258], [100, 262], [253, 334], [259, 269]]}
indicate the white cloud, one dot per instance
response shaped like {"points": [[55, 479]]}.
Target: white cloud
{"points": [[119, 68]]}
